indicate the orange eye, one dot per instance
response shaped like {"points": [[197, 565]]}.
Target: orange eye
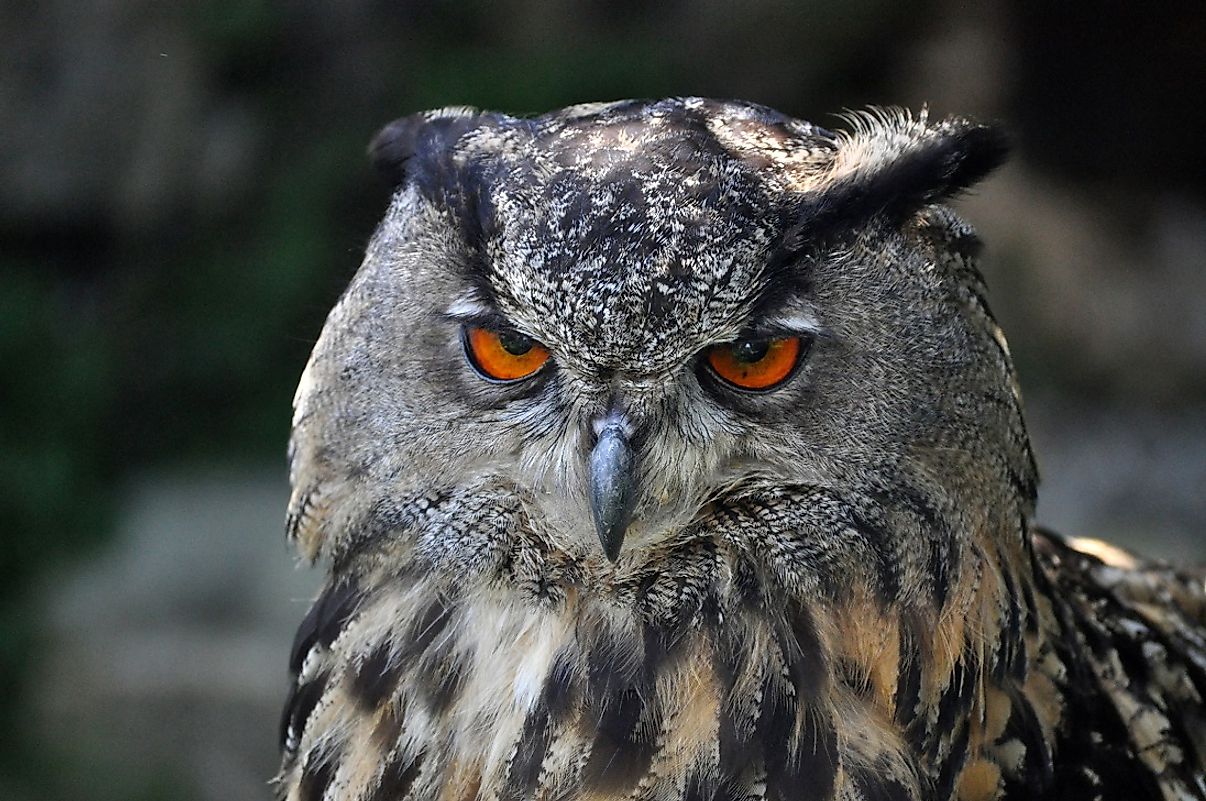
{"points": [[503, 355], [756, 364]]}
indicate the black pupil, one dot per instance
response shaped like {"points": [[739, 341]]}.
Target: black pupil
{"points": [[751, 350], [515, 343]]}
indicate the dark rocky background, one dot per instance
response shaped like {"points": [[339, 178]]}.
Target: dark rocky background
{"points": [[183, 195]]}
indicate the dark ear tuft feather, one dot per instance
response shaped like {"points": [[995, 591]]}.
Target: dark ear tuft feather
{"points": [[892, 164], [428, 132], [936, 166], [974, 152]]}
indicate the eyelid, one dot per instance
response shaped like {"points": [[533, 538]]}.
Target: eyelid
{"points": [[799, 323], [774, 329], [472, 314], [778, 331], [485, 318]]}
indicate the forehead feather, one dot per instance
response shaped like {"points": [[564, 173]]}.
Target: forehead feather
{"points": [[632, 233]]}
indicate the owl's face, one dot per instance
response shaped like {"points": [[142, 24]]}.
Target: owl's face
{"points": [[619, 314]]}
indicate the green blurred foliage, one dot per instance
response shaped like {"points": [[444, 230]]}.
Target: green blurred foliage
{"points": [[56, 460]]}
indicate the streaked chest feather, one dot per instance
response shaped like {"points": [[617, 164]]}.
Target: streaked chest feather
{"points": [[690, 684]]}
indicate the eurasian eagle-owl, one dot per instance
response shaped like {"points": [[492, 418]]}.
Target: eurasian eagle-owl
{"points": [[669, 450]]}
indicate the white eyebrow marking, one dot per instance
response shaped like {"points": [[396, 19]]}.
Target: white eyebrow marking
{"points": [[799, 318], [468, 306]]}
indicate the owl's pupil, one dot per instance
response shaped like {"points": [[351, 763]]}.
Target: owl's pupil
{"points": [[751, 350], [515, 343]]}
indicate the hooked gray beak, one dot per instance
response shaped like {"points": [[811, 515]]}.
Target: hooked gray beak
{"points": [[612, 479]]}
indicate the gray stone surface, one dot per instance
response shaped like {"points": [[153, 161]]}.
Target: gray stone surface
{"points": [[168, 654], [1133, 476]]}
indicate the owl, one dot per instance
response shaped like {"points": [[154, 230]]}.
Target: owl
{"points": [[670, 451]]}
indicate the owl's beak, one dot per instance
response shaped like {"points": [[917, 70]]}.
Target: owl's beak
{"points": [[612, 483]]}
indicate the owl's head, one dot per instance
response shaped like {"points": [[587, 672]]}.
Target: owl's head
{"points": [[615, 315]]}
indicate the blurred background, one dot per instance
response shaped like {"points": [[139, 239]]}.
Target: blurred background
{"points": [[184, 193]]}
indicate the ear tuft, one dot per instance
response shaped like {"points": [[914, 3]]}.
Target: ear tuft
{"points": [[965, 153], [891, 163], [394, 147]]}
